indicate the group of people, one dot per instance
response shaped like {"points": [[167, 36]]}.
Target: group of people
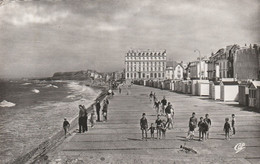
{"points": [[84, 116], [204, 125], [164, 108], [161, 127]]}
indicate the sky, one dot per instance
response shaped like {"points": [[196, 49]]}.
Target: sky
{"points": [[39, 38]]}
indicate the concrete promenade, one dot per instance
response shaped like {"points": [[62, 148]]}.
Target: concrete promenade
{"points": [[119, 139]]}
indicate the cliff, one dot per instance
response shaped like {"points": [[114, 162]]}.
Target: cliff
{"points": [[79, 75]]}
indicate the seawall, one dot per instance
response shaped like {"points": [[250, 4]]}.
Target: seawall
{"points": [[54, 141]]}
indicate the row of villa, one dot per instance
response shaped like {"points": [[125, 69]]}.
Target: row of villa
{"points": [[230, 74]]}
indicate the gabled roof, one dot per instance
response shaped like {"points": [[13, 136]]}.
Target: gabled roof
{"points": [[229, 82], [255, 84], [172, 64]]}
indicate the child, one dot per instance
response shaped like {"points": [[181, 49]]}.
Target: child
{"points": [[163, 129], [152, 128], [200, 128], [144, 126], [158, 126], [233, 124], [227, 129], [204, 129], [92, 118], [208, 121], [66, 126], [151, 96]]}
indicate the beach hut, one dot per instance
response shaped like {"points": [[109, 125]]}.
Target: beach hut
{"points": [[189, 87], [252, 93], [243, 89], [258, 98], [184, 86], [229, 91], [214, 90], [203, 88]]}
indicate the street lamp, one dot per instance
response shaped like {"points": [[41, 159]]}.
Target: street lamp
{"points": [[200, 62]]}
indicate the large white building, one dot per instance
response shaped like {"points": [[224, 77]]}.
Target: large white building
{"points": [[145, 64]]}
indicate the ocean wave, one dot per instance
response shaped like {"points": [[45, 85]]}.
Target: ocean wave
{"points": [[71, 96], [35, 91], [50, 85], [26, 83], [5, 103]]}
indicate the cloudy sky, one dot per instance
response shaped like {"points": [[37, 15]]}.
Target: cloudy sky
{"points": [[38, 38]]}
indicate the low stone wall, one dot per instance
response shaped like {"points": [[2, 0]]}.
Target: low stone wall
{"points": [[40, 152]]}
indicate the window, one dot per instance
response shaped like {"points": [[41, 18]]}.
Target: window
{"points": [[127, 75], [155, 75], [143, 75], [159, 75], [151, 75]]}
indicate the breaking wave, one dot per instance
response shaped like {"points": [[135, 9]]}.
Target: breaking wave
{"points": [[5, 103], [35, 91]]}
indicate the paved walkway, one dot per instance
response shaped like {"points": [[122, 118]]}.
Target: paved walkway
{"points": [[119, 139]]}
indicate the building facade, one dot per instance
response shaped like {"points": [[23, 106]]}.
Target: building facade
{"points": [[198, 69], [174, 70], [145, 64], [246, 63]]}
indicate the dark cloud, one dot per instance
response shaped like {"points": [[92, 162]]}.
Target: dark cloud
{"points": [[39, 38]]}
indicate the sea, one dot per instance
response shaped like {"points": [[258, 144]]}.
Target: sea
{"points": [[31, 111]]}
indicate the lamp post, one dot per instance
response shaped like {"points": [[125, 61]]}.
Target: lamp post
{"points": [[200, 62]]}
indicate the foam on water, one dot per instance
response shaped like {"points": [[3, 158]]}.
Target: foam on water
{"points": [[50, 85], [5, 103], [35, 91], [26, 83]]}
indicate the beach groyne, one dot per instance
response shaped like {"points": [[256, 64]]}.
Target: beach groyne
{"points": [[52, 142]]}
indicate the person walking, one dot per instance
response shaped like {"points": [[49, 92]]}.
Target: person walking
{"points": [[192, 126], [164, 103], [98, 110], [119, 89], [200, 128], [233, 124], [81, 118], [152, 128], [66, 126], [158, 122], [144, 126], [104, 110], [85, 119], [226, 129], [168, 115], [151, 96], [208, 121], [92, 119]]}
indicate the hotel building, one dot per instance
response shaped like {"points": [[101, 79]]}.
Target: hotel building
{"points": [[145, 64]]}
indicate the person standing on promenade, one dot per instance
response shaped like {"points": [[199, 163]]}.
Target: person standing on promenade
{"points": [[81, 118], [144, 126], [66, 126], [200, 128], [208, 121], [164, 103], [98, 110], [157, 106], [104, 110], [154, 97], [92, 119], [158, 122], [151, 96], [192, 126], [233, 124], [163, 129], [85, 120], [152, 128], [226, 129], [119, 89], [168, 115]]}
